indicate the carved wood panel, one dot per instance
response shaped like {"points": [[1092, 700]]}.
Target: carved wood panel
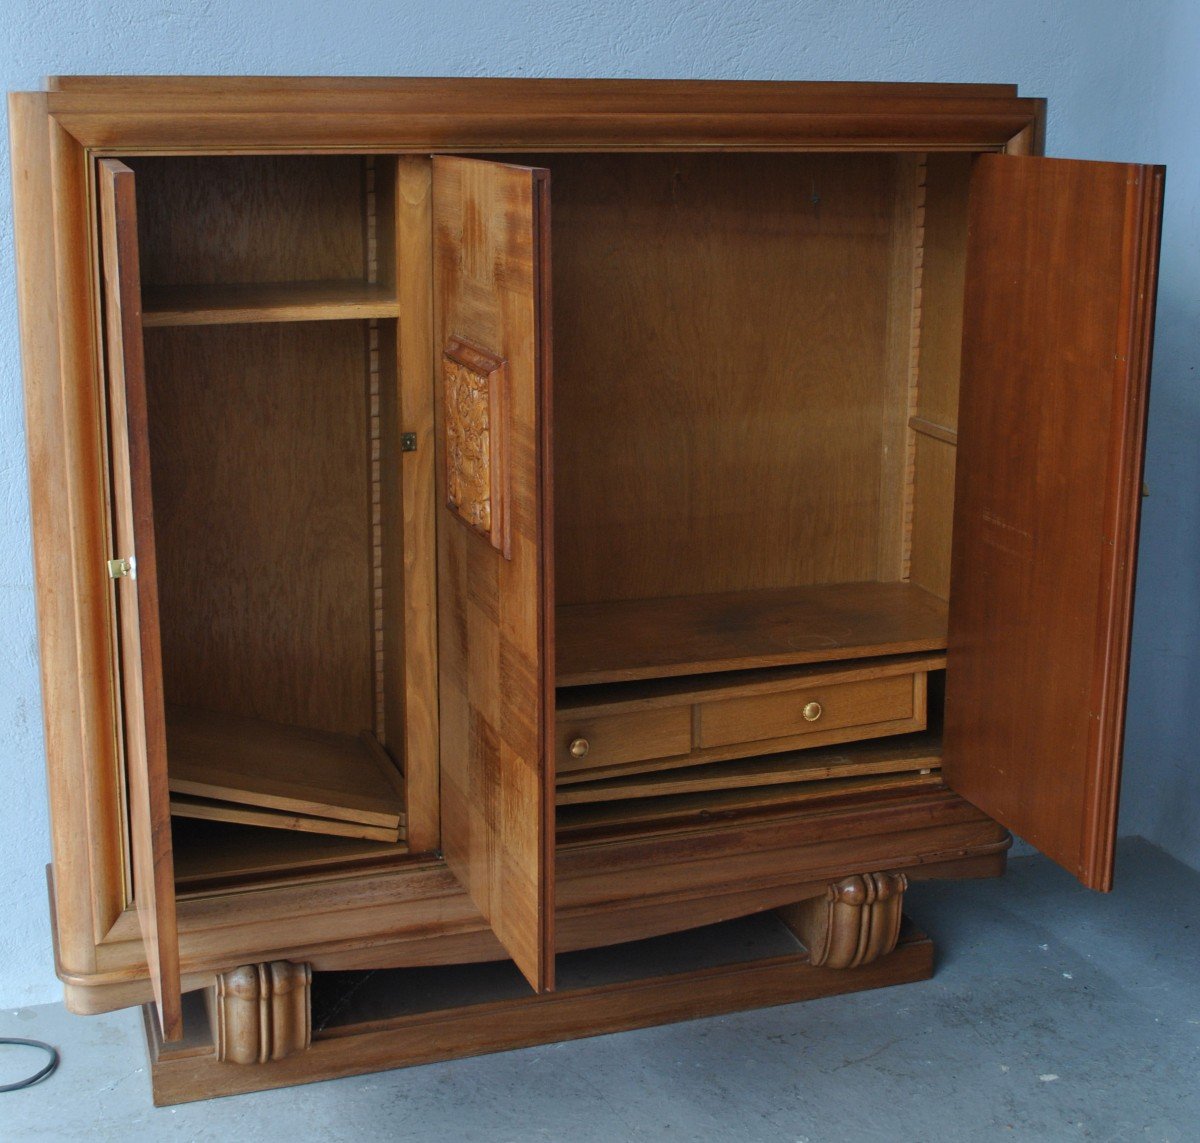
{"points": [[856, 922], [476, 440], [261, 1012]]}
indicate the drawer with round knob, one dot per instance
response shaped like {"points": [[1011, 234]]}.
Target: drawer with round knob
{"points": [[615, 731], [808, 709], [616, 739]]}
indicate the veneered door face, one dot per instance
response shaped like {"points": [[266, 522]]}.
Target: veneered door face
{"points": [[495, 580], [137, 593], [1061, 272]]}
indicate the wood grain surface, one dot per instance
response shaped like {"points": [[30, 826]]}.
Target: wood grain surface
{"points": [[652, 638], [694, 416], [290, 768], [216, 810], [620, 738], [341, 912], [629, 732], [137, 593], [411, 628], [66, 435], [491, 236], [260, 444], [696, 808], [1061, 270], [935, 424], [491, 114], [236, 304], [191, 1072], [922, 755], [210, 853], [219, 220]]}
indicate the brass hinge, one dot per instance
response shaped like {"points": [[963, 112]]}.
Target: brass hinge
{"points": [[118, 569]]}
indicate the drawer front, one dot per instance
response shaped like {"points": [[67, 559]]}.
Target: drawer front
{"points": [[807, 710], [614, 739]]}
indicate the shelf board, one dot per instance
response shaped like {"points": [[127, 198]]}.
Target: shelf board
{"points": [[216, 810], [266, 302], [247, 762], [697, 634], [704, 807], [921, 753], [211, 853]]}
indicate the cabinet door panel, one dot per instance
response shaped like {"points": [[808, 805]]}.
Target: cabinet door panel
{"points": [[495, 583], [137, 593], [1061, 272]]}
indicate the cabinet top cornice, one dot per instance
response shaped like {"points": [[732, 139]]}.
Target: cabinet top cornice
{"points": [[179, 113]]}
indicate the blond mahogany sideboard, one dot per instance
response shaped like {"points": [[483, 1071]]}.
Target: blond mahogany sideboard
{"points": [[518, 559]]}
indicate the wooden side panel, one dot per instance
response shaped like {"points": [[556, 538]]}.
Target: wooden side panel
{"points": [[704, 309], [416, 708], [935, 424], [1061, 270], [947, 185], [137, 594], [79, 804], [261, 449], [222, 219], [491, 266], [933, 513]]}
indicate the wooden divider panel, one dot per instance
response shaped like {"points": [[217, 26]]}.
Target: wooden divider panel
{"points": [[495, 598], [1061, 270], [135, 569]]}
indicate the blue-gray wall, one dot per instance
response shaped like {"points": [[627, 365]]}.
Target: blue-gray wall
{"points": [[1122, 83]]}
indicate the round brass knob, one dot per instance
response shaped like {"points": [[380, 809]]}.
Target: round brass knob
{"points": [[579, 747], [812, 711]]}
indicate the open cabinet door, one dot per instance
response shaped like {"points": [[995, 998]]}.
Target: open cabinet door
{"points": [[495, 545], [1061, 270], [134, 570]]}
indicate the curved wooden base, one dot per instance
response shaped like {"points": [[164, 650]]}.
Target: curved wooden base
{"points": [[384, 1031], [607, 890]]}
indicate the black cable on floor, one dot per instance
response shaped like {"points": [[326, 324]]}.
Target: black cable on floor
{"points": [[37, 1076]]}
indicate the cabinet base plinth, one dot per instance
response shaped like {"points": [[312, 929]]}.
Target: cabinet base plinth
{"points": [[190, 1070]]}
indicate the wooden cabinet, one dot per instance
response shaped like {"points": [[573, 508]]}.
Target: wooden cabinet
{"points": [[534, 524]]}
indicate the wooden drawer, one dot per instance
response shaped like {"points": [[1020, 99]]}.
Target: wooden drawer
{"points": [[617, 739], [641, 727], [806, 710]]}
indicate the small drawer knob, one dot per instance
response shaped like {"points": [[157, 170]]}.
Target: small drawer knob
{"points": [[812, 711], [579, 747]]}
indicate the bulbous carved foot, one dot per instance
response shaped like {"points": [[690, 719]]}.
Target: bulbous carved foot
{"points": [[261, 1012], [855, 922]]}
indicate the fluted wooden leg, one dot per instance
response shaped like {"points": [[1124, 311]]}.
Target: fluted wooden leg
{"points": [[261, 1012], [855, 922]]}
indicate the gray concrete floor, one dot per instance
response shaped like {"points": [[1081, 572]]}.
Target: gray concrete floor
{"points": [[1055, 1014]]}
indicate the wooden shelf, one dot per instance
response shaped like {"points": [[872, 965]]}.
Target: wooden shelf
{"points": [[224, 810], [659, 638], [920, 753], [283, 768], [266, 302], [705, 807], [210, 853]]}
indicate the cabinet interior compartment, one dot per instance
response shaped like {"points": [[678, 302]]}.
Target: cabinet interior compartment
{"points": [[755, 398], [756, 366], [270, 350], [265, 238]]}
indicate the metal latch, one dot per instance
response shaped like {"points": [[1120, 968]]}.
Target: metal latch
{"points": [[119, 569], [408, 442]]}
